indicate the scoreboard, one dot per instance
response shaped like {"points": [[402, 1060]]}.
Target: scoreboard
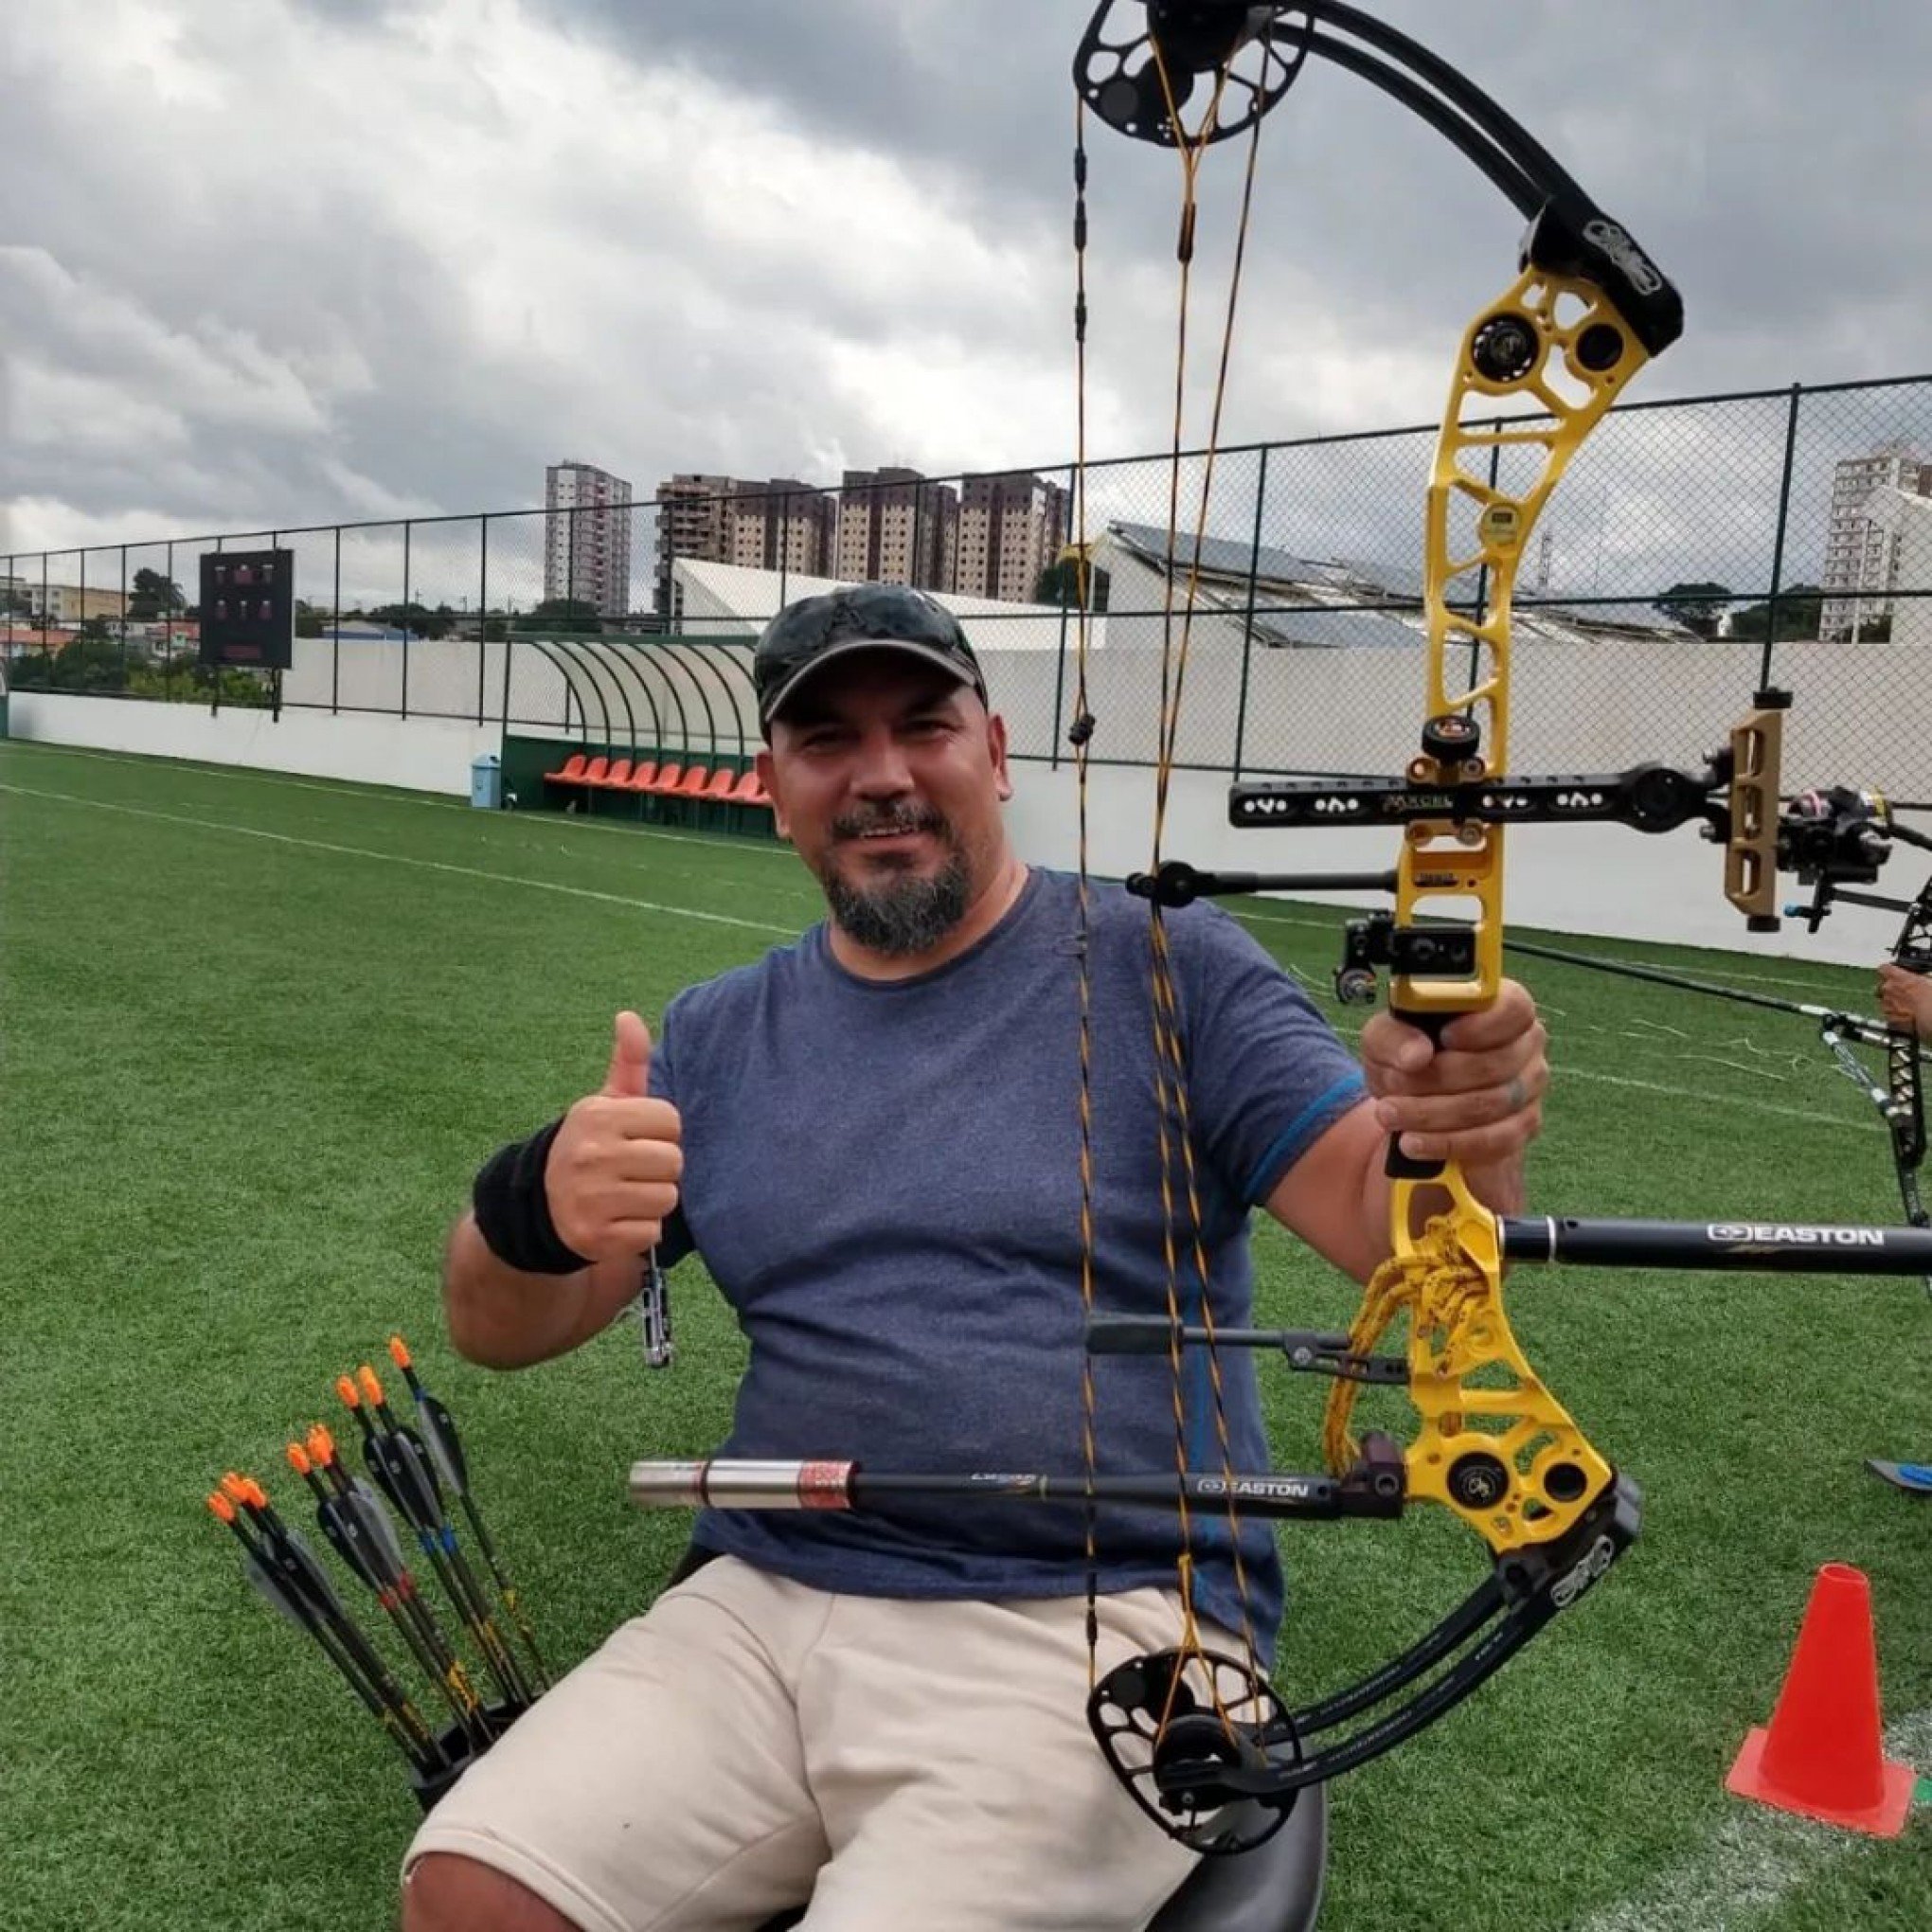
{"points": [[248, 608]]}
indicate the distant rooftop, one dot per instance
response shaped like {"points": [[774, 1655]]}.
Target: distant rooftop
{"points": [[1327, 595]]}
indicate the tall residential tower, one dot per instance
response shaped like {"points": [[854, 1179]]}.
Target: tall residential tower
{"points": [[588, 537], [1861, 552]]}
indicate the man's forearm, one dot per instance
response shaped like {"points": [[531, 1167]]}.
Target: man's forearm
{"points": [[504, 1318]]}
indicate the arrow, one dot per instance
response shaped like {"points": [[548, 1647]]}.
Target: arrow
{"points": [[344, 1520], [284, 1572], [446, 1450], [401, 1467]]}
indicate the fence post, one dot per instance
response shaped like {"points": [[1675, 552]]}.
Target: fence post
{"points": [[482, 614], [335, 626], [216, 669], [407, 527], [1247, 628], [1778, 547], [168, 666], [124, 621], [275, 677]]}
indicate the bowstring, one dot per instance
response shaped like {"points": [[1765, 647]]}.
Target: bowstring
{"points": [[1170, 1065], [1170, 1050], [1082, 734]]}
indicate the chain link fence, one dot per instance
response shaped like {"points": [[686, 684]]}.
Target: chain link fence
{"points": [[1697, 551]]}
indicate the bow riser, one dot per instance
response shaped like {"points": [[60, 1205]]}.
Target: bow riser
{"points": [[1574, 370], [1529, 1474]]}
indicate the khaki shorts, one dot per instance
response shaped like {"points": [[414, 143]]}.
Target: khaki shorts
{"points": [[752, 1742]]}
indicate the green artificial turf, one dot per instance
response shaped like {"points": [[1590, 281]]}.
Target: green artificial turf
{"points": [[255, 1034]]}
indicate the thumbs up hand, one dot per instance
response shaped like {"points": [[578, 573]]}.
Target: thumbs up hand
{"points": [[613, 1170]]}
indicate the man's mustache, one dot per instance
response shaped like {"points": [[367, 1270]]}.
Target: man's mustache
{"points": [[860, 825]]}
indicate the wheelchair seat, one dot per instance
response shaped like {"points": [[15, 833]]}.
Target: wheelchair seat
{"points": [[1276, 1887]]}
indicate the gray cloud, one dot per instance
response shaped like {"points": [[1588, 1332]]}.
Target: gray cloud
{"points": [[368, 258]]}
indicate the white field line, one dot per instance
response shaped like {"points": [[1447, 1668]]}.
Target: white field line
{"points": [[1748, 1106], [1564, 1071], [377, 795], [1754, 1107], [1755, 1859], [319, 845], [1819, 996]]}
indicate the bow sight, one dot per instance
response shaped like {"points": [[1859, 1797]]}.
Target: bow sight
{"points": [[1839, 838]]}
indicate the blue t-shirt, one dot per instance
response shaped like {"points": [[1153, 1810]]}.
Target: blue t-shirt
{"points": [[884, 1179]]}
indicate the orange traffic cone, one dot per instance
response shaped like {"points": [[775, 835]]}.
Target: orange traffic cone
{"points": [[1822, 1755]]}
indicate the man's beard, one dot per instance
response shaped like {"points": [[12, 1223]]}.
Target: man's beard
{"points": [[906, 913]]}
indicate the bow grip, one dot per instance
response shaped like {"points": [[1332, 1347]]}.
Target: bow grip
{"points": [[1397, 1165]]}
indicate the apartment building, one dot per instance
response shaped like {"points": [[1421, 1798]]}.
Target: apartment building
{"points": [[783, 524], [691, 522], [1862, 553], [1907, 518], [59, 604], [1012, 526], [588, 537], [884, 526], [895, 526], [779, 524]]}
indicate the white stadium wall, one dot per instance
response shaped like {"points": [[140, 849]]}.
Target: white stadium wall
{"points": [[1579, 879], [417, 754]]}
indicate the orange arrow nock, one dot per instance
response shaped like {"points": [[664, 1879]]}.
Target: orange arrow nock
{"points": [[371, 1387], [298, 1458], [321, 1445], [399, 1354], [221, 1507], [344, 1388]]}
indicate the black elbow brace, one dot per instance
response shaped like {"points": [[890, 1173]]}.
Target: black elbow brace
{"points": [[513, 1208]]}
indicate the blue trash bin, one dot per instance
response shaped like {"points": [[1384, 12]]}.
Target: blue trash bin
{"points": [[486, 782]]}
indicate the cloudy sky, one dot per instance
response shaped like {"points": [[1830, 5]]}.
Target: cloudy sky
{"points": [[277, 261]]}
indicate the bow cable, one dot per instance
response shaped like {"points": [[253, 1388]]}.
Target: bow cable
{"points": [[1172, 1108]]}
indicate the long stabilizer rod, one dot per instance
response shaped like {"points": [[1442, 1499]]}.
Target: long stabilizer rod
{"points": [[1742, 1247], [1373, 1488]]}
